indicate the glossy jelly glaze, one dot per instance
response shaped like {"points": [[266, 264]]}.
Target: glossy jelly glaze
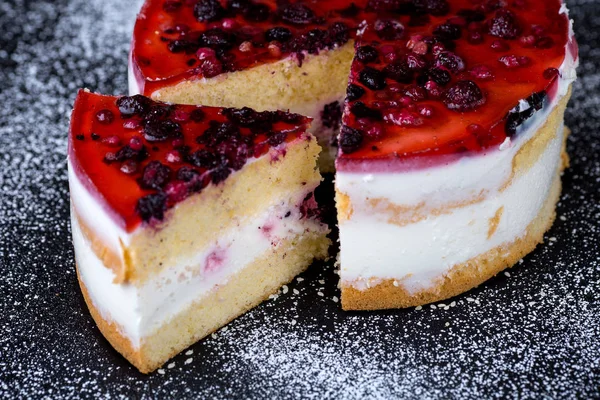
{"points": [[430, 77], [139, 157], [449, 81], [177, 40]]}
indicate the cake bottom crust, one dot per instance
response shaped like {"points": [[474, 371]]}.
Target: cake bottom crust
{"points": [[391, 294], [245, 290]]}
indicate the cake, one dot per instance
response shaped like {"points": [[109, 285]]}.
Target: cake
{"points": [[443, 121], [452, 139], [184, 217]]}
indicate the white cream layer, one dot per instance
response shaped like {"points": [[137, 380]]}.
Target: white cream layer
{"points": [[418, 254], [141, 310]]}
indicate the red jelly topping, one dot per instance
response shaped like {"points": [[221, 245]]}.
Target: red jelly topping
{"points": [[430, 77], [141, 157], [448, 82], [178, 40]]}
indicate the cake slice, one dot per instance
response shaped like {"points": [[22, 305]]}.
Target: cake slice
{"points": [[267, 55], [451, 149], [184, 217]]}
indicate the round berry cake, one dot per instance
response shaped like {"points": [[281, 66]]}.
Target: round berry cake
{"points": [[442, 120]]}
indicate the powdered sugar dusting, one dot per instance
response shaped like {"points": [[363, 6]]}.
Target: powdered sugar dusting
{"points": [[531, 333]]}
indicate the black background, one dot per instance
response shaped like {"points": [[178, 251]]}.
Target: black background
{"points": [[529, 333]]}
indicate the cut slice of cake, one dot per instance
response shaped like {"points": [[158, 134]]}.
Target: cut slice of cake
{"points": [[184, 217], [267, 55], [452, 148]]}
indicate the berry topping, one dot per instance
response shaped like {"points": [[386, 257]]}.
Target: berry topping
{"points": [[155, 175], [173, 151], [134, 105], [504, 25], [372, 78], [297, 14], [354, 92], [366, 54], [157, 130], [208, 10], [463, 96], [152, 206], [399, 71], [279, 34], [105, 117], [350, 139], [418, 65]]}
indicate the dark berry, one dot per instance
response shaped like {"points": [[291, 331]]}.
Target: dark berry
{"points": [[331, 115], [276, 138], [182, 46], [504, 25], [354, 92], [105, 116], [242, 116], [218, 132], [279, 34], [450, 61], [463, 96], [372, 78], [204, 159], [208, 10], [448, 31], [155, 175], [297, 14], [367, 54], [128, 153], [152, 206], [133, 105], [338, 33], [350, 139], [515, 118], [399, 71], [197, 115], [389, 29], [219, 174], [360, 110], [159, 130], [257, 12], [187, 174], [439, 76], [433, 7], [217, 39], [536, 100]]}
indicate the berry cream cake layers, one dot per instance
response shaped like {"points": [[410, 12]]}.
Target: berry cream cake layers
{"points": [[184, 217], [268, 55], [452, 148]]}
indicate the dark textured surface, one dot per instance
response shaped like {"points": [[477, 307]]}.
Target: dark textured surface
{"points": [[531, 333]]}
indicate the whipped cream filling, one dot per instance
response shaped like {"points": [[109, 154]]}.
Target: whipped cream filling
{"points": [[139, 311], [419, 253]]}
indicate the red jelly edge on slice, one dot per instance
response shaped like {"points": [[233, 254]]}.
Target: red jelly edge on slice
{"points": [[138, 158]]}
